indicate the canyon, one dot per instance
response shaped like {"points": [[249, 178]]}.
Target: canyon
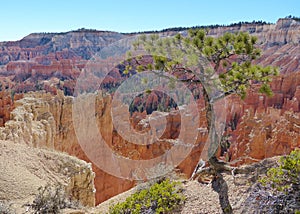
{"points": [[38, 76]]}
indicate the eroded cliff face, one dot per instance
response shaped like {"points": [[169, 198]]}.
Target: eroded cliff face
{"points": [[54, 61], [7, 100], [257, 128], [25, 169], [45, 121], [261, 126], [279, 42], [284, 31], [265, 134], [81, 43]]}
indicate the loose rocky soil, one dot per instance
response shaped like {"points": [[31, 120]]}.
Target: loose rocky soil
{"points": [[201, 199], [24, 169]]}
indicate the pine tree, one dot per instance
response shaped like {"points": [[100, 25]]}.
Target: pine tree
{"points": [[223, 64]]}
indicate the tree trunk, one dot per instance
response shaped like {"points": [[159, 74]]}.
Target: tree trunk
{"points": [[212, 132], [218, 184]]}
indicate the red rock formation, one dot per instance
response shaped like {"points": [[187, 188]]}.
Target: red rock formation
{"points": [[7, 100], [265, 135], [40, 57], [266, 125], [257, 131]]}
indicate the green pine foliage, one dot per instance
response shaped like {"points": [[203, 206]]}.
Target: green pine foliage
{"points": [[287, 175], [279, 190], [230, 57], [293, 17], [162, 197]]}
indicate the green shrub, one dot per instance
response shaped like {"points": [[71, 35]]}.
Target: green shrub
{"points": [[161, 197], [286, 175], [280, 191]]}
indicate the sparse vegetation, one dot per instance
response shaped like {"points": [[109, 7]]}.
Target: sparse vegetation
{"points": [[178, 29], [51, 199], [293, 17], [162, 197], [279, 190], [287, 175]]}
